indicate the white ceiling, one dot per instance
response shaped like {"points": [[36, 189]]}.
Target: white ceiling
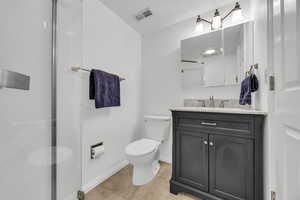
{"points": [[165, 12]]}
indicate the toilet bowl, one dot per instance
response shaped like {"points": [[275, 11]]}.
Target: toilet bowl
{"points": [[143, 155]]}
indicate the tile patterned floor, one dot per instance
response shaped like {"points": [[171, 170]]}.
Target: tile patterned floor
{"points": [[119, 187]]}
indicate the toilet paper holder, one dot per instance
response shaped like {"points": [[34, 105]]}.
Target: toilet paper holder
{"points": [[96, 150]]}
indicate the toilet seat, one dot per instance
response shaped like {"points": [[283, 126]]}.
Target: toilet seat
{"points": [[142, 147]]}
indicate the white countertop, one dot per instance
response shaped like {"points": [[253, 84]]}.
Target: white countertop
{"points": [[220, 110]]}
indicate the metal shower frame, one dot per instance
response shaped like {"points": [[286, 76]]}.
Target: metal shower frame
{"points": [[54, 102]]}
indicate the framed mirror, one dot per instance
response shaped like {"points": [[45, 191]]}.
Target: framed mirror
{"points": [[218, 58]]}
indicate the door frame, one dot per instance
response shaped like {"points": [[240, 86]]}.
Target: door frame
{"points": [[269, 162], [54, 101]]}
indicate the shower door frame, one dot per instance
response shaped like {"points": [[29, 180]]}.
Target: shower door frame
{"points": [[54, 102]]}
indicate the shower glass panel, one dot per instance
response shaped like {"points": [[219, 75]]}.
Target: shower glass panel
{"points": [[25, 101], [69, 83]]}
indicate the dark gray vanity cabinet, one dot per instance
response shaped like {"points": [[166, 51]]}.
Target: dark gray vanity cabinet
{"points": [[231, 170], [194, 167], [217, 156]]}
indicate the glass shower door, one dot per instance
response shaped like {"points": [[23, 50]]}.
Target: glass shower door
{"points": [[25, 119], [69, 83]]}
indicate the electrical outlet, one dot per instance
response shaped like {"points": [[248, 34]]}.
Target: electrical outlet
{"points": [[273, 195], [271, 83]]}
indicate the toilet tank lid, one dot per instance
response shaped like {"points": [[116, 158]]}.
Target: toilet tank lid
{"points": [[157, 117]]}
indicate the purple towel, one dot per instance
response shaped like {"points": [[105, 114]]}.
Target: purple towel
{"points": [[249, 84], [254, 83], [105, 89], [245, 96]]}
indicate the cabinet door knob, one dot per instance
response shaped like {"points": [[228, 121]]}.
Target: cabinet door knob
{"points": [[205, 142], [211, 143]]}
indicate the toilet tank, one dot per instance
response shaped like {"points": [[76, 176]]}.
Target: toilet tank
{"points": [[157, 127]]}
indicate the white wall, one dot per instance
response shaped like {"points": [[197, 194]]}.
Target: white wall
{"points": [[162, 83], [111, 45]]}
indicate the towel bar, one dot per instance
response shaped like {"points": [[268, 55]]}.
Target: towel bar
{"points": [[76, 69]]}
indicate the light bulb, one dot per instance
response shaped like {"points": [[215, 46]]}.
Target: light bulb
{"points": [[199, 27], [237, 15], [216, 22], [199, 24]]}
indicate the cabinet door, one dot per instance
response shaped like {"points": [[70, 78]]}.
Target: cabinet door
{"points": [[192, 159], [231, 167]]}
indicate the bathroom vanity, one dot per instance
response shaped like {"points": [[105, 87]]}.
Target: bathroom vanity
{"points": [[218, 153]]}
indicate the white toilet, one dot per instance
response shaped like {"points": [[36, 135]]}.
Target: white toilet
{"points": [[143, 154]]}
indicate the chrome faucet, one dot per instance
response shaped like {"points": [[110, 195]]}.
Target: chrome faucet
{"points": [[211, 101], [201, 101]]}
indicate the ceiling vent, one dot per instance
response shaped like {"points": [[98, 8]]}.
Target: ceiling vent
{"points": [[143, 14]]}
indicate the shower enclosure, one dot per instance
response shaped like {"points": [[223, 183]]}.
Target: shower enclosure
{"points": [[40, 150]]}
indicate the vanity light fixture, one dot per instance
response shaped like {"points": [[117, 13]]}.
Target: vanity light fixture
{"points": [[217, 21]]}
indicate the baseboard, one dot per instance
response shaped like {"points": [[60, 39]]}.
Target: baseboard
{"points": [[166, 158], [70, 197], [100, 179]]}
